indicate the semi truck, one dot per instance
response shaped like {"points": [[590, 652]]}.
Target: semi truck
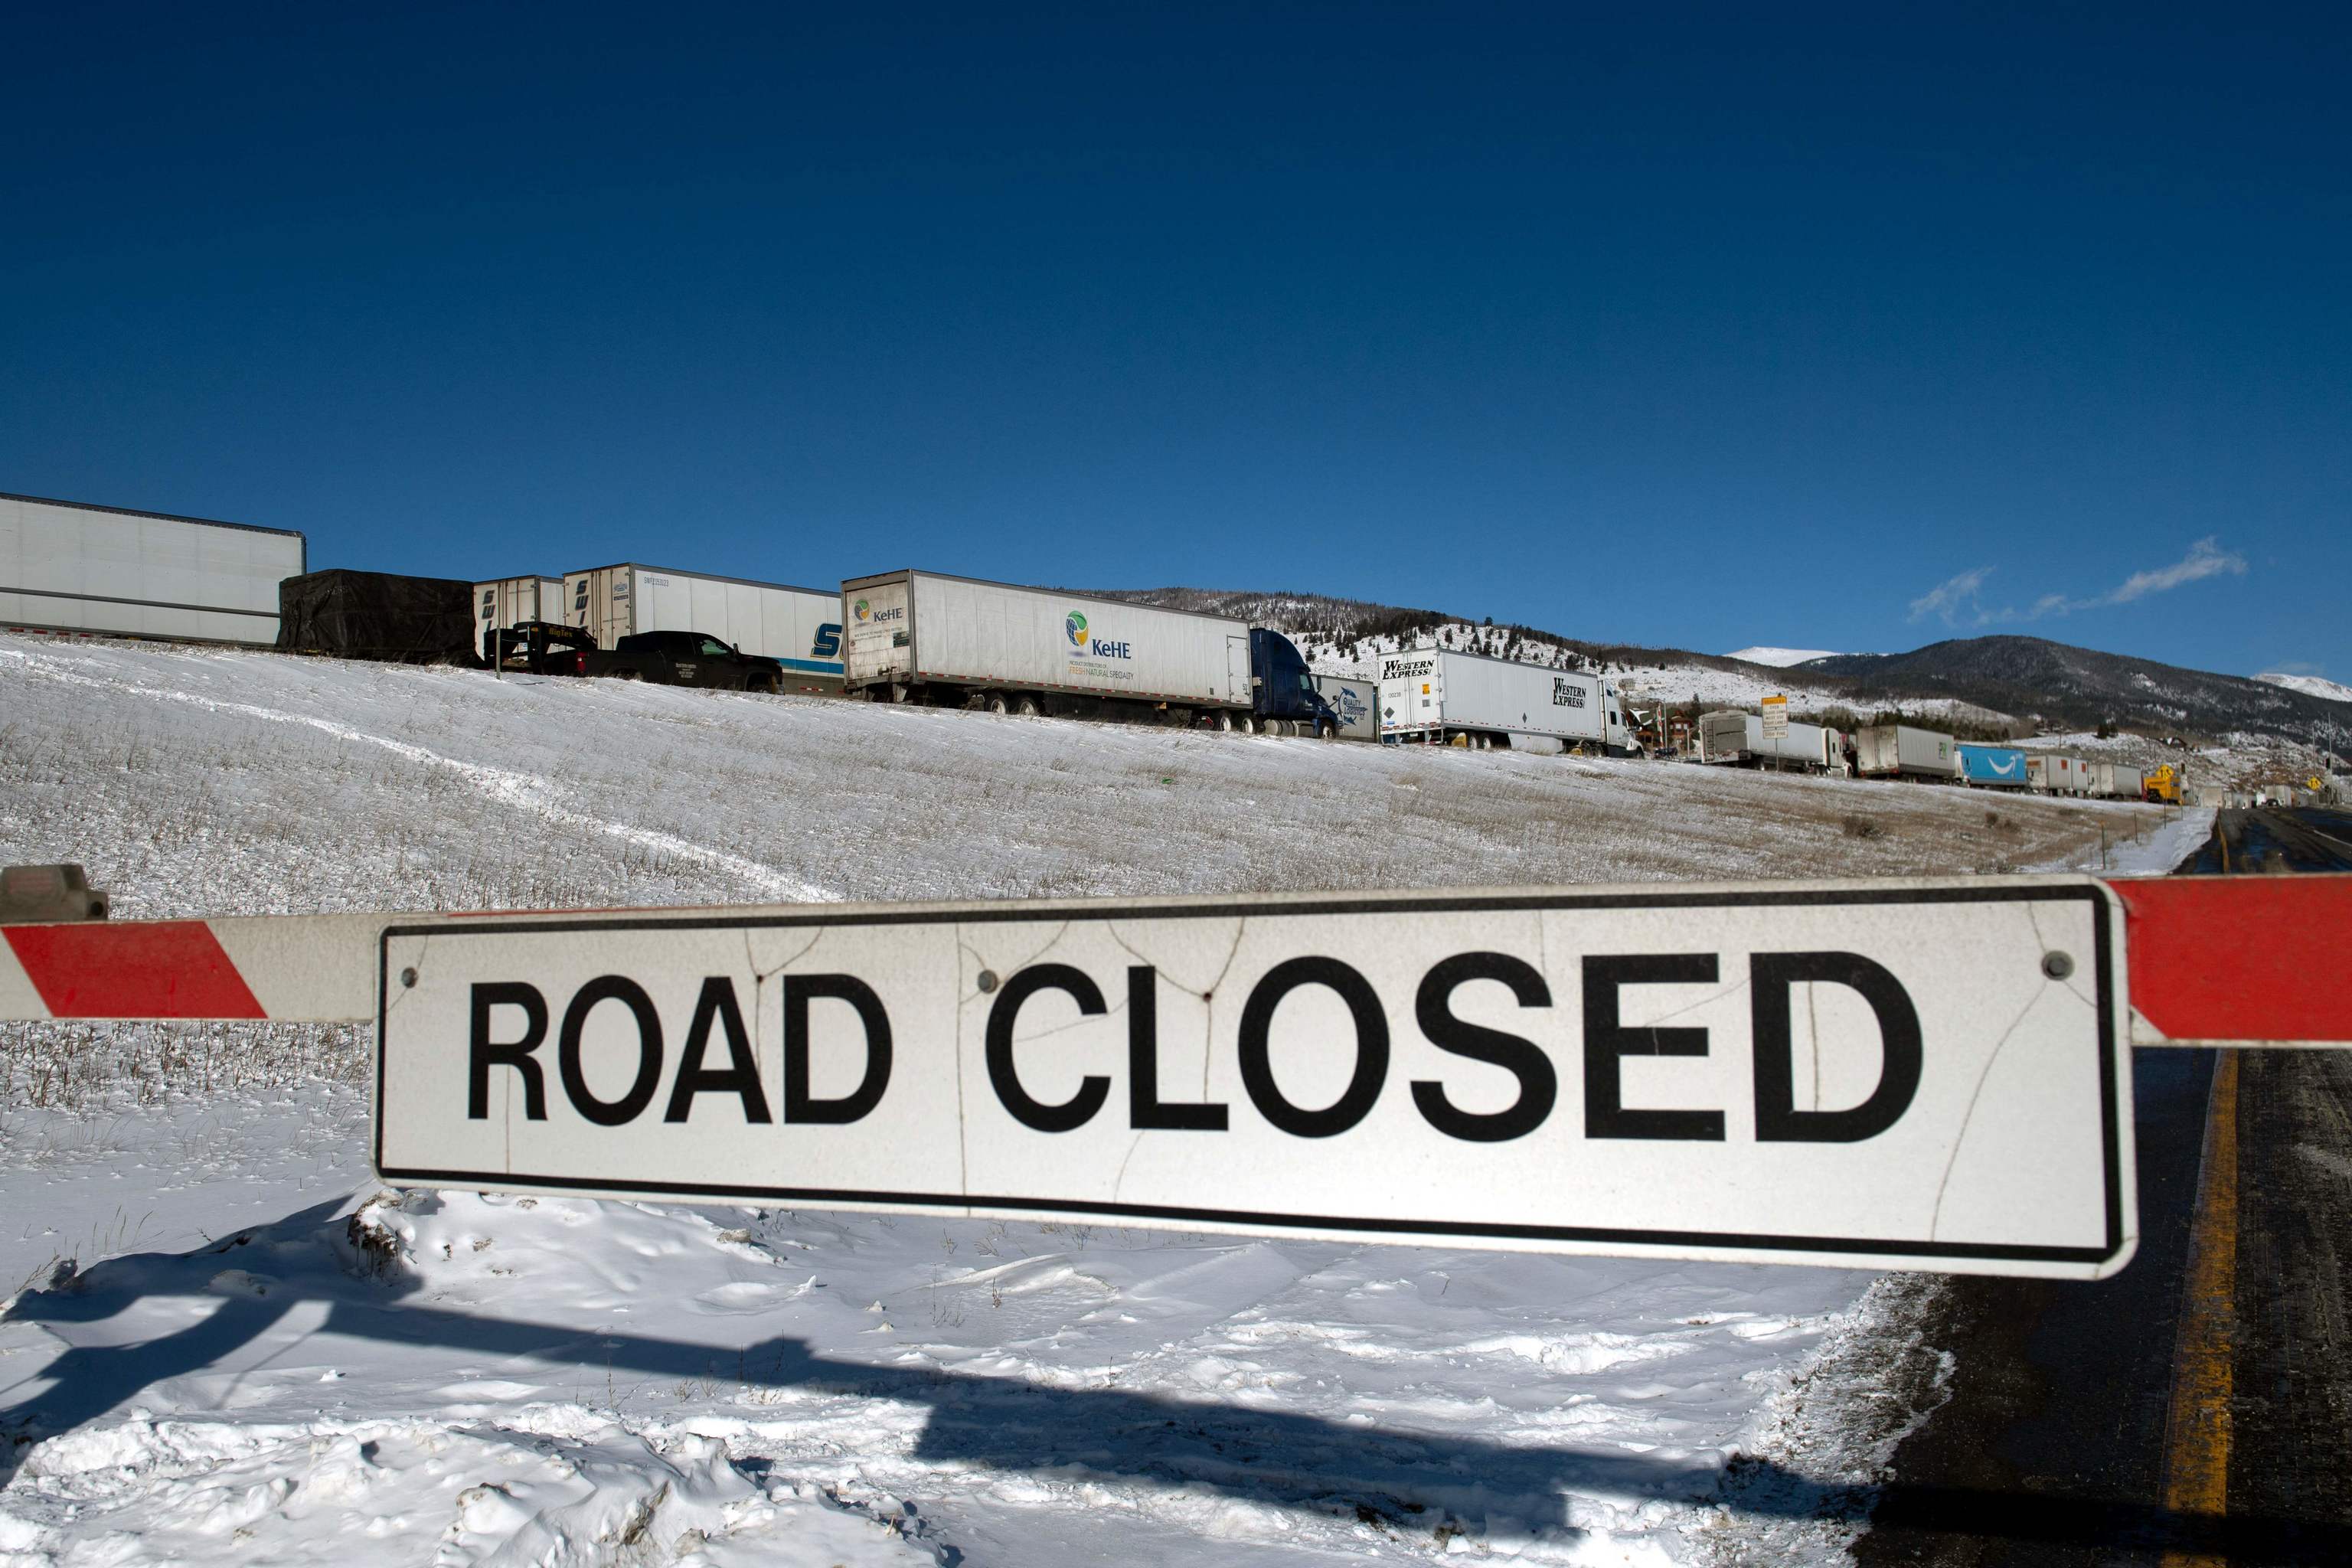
{"points": [[69, 567], [1992, 767], [943, 640], [507, 602], [1904, 751], [1729, 736], [800, 629], [1355, 703], [1443, 697], [2057, 776]]}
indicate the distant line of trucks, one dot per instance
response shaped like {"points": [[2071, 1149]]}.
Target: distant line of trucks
{"points": [[1909, 751]]}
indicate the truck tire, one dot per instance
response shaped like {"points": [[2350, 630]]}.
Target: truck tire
{"points": [[1026, 707], [1224, 720], [997, 704], [1325, 731]]}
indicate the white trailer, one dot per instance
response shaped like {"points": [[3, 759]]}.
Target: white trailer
{"points": [[2113, 781], [505, 601], [1737, 738], [926, 636], [68, 567], [1904, 750], [1440, 695], [1356, 702], [800, 629]]}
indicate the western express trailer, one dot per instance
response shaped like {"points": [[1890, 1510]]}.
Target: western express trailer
{"points": [[1904, 750], [69, 567], [932, 638], [505, 601], [1992, 767], [1441, 696], [800, 629]]}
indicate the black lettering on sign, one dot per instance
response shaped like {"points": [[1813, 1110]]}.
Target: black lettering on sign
{"points": [[1077, 1110], [801, 1106], [1372, 1047], [1145, 1108], [1778, 1120], [630, 994], [740, 1076], [1523, 1059], [485, 1053], [1606, 1042]]}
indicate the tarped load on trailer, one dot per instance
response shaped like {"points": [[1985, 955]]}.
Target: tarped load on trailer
{"points": [[376, 614]]}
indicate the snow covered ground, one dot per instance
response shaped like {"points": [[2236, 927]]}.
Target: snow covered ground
{"points": [[232, 1350]]}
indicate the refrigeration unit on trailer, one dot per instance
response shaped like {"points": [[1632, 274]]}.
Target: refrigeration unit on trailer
{"points": [[1440, 695], [1904, 751], [505, 601], [929, 638], [800, 629], [1992, 767], [69, 567], [1356, 703]]}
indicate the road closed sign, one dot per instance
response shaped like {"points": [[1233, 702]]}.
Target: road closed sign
{"points": [[1904, 1075]]}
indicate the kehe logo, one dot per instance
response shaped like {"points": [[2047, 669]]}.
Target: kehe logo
{"points": [[1074, 626]]}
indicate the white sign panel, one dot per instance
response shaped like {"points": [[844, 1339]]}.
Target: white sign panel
{"points": [[1908, 1075], [1776, 718]]}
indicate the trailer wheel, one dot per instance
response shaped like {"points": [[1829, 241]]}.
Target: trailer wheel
{"points": [[997, 704], [1223, 722], [1026, 707], [1327, 730]]}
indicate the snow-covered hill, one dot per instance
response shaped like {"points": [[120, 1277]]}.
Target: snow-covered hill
{"points": [[1780, 658], [272, 1367], [2310, 686]]}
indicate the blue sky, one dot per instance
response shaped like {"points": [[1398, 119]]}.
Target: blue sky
{"points": [[1845, 328]]}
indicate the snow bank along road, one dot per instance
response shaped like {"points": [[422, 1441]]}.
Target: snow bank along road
{"points": [[272, 1366]]}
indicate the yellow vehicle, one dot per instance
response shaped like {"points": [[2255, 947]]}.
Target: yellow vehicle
{"points": [[2163, 786]]}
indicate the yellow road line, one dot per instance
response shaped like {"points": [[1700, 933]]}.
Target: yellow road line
{"points": [[2197, 1431]]}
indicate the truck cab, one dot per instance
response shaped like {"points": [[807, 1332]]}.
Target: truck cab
{"points": [[1283, 697]]}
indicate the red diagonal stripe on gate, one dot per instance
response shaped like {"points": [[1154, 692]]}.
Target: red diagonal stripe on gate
{"points": [[147, 969], [2242, 958]]}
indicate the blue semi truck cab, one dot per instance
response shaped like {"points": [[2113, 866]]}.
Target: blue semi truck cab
{"points": [[1282, 698]]}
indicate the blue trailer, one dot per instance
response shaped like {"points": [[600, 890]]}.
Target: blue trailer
{"points": [[1992, 767]]}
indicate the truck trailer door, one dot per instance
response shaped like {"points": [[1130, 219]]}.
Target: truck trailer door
{"points": [[1238, 670]]}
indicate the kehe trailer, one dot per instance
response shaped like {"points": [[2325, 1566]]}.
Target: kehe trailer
{"points": [[1441, 696], [800, 629], [1904, 751], [69, 567], [930, 637]]}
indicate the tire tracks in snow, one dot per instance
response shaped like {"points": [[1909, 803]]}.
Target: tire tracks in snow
{"points": [[522, 791]]}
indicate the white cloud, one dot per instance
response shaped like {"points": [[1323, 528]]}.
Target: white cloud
{"points": [[1959, 601]]}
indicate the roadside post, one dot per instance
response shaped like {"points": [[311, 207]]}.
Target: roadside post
{"points": [[1915, 1074]]}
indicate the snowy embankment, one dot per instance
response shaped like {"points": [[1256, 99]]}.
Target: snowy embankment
{"points": [[280, 1369]]}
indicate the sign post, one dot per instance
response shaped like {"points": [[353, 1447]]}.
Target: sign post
{"points": [[1776, 726]]}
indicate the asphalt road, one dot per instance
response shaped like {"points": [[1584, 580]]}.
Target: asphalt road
{"points": [[2195, 1408]]}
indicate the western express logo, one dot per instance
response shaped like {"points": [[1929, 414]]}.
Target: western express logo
{"points": [[1566, 693], [1407, 669], [1074, 626]]}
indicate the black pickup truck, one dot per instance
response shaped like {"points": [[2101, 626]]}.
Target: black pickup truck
{"points": [[683, 658]]}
